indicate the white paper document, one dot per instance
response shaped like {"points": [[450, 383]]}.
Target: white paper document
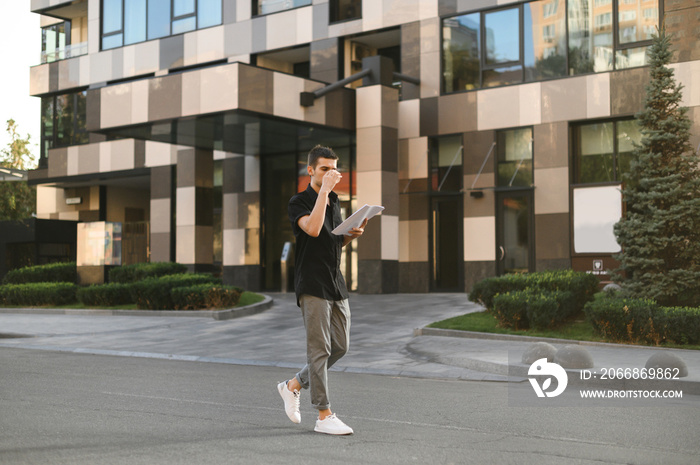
{"points": [[356, 219]]}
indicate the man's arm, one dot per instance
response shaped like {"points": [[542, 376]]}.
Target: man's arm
{"points": [[354, 233], [312, 224]]}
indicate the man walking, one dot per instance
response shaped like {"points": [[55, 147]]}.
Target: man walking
{"points": [[320, 288]]}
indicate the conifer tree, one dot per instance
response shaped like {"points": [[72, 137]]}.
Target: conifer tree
{"points": [[660, 230]]}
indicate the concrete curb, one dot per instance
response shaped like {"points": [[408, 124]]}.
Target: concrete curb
{"points": [[227, 314], [514, 337]]}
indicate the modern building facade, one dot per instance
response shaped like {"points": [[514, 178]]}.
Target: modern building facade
{"points": [[494, 132]]}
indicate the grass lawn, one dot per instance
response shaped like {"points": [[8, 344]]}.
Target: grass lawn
{"points": [[578, 329]]}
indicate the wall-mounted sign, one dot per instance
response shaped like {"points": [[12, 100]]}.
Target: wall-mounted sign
{"points": [[74, 200]]}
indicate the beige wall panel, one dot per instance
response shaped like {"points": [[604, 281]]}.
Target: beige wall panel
{"points": [[480, 239], [694, 115], [687, 73], [94, 33], [160, 216], [564, 99], [409, 118], [598, 95], [243, 10], [72, 160], [368, 101], [101, 67], [281, 29], [39, 79], [84, 70], [93, 9], [234, 247], [191, 93], [429, 74], [210, 44], [238, 38], [427, 9], [230, 212], [147, 57], [369, 188], [115, 105], [129, 60], [404, 241], [139, 102], [346, 28], [418, 158], [119, 198], [89, 159], [390, 233], [105, 156], [369, 149], [47, 199], [286, 96], [218, 89], [491, 104], [551, 190], [398, 12], [252, 246], [551, 145], [372, 15], [184, 248], [530, 104], [305, 25], [185, 207], [69, 73], [160, 154], [252, 173], [94, 198], [204, 244], [121, 155], [485, 206], [69, 216]]}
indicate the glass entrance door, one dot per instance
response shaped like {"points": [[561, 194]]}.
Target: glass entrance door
{"points": [[515, 235], [446, 252]]}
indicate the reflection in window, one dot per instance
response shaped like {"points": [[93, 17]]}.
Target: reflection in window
{"points": [[544, 40], [502, 33], [63, 120], [345, 10], [514, 148], [603, 151], [445, 155], [127, 22], [264, 7], [461, 52]]}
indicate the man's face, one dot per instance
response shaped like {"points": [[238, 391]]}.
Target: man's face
{"points": [[323, 165]]}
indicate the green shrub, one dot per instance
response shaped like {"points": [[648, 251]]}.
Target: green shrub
{"points": [[64, 272], [154, 293], [105, 295], [680, 324], [549, 309], [581, 285], [205, 296], [510, 309], [139, 271], [33, 294], [624, 319]]}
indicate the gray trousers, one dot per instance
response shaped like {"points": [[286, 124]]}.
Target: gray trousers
{"points": [[327, 340]]}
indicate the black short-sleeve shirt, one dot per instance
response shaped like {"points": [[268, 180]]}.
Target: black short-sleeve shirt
{"points": [[317, 259]]}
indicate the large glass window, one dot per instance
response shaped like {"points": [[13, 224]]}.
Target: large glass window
{"points": [[127, 22], [514, 148], [54, 40], [445, 155], [264, 7], [603, 150], [345, 10], [529, 42], [63, 120]]}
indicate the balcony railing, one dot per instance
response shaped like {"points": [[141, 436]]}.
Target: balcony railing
{"points": [[63, 53]]}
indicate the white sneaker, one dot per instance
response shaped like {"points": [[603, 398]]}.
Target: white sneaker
{"points": [[332, 425], [291, 402]]}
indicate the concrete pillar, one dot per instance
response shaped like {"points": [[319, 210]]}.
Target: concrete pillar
{"points": [[378, 184], [162, 214], [194, 211]]}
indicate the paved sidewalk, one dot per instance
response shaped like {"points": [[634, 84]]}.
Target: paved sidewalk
{"points": [[382, 339]]}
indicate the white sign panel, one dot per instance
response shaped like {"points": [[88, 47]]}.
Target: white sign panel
{"points": [[596, 210]]}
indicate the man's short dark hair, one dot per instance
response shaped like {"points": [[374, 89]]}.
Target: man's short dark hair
{"points": [[320, 152]]}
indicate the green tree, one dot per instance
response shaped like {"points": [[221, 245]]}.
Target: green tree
{"points": [[660, 231], [17, 198]]}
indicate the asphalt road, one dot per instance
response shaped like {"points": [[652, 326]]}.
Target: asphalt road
{"points": [[65, 408]]}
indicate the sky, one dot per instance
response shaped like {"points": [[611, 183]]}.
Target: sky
{"points": [[20, 36]]}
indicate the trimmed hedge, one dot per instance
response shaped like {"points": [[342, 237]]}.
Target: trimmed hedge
{"points": [[64, 272], [205, 296], [532, 308], [154, 293], [139, 271], [105, 295], [642, 320], [33, 294], [581, 285]]}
